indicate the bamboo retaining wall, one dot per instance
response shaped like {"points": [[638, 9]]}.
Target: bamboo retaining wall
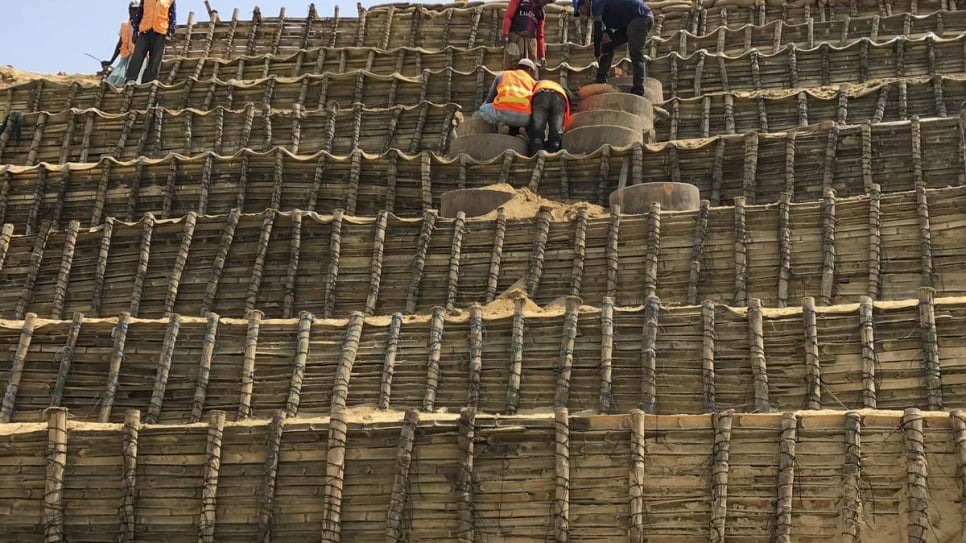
{"points": [[885, 247]]}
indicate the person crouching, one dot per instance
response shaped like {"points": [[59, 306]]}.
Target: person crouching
{"points": [[550, 114], [508, 101]]}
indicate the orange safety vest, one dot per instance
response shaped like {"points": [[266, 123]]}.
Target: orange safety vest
{"points": [[155, 16], [513, 92], [127, 40], [545, 84]]}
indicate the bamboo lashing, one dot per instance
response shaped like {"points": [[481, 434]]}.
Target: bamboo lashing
{"points": [[741, 252], [612, 254], [204, 366], [128, 511], [53, 509], [36, 259], [784, 249], [174, 280], [875, 243], [544, 218], [164, 369], [707, 355], [17, 368], [375, 263], [697, 252], [254, 317], [453, 275], [294, 256], [332, 273], [829, 252], [653, 250], [580, 251], [209, 490], [258, 266], [144, 255], [957, 420], [400, 487], [813, 371], [419, 261]]}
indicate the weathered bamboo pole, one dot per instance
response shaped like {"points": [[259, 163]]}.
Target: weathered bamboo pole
{"points": [[606, 355], [258, 266], [566, 357], [813, 371], [204, 366], [53, 512], [437, 324], [114, 369], [917, 481], [707, 355], [294, 255], [828, 247], [828, 167], [332, 272], [925, 236], [399, 497], [164, 369], [455, 251], [298, 370], [652, 310], [375, 262], [64, 359], [33, 270], [17, 367], [464, 486], [5, 235], [635, 531], [221, 257], [786, 479], [476, 355], [932, 374], [516, 357], [750, 180], [852, 503], [209, 490], [957, 420], [613, 257], [266, 498], [580, 251], [653, 250], [128, 513], [741, 253], [100, 269], [721, 422], [254, 317], [697, 251], [784, 248], [717, 171], [561, 507], [870, 361], [759, 368], [419, 261], [535, 271], [790, 138], [174, 280], [144, 255], [389, 362], [63, 274]]}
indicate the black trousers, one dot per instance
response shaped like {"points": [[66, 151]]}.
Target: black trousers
{"points": [[149, 44], [546, 121], [635, 36]]}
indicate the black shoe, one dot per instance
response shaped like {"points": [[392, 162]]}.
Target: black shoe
{"points": [[513, 131], [637, 91], [600, 79], [552, 146]]}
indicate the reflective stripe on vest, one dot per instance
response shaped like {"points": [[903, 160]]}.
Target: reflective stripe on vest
{"points": [[127, 39], [513, 92], [545, 84], [155, 16]]}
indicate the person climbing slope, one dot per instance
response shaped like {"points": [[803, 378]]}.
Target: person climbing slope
{"points": [[523, 24], [550, 114], [155, 23], [617, 22]]}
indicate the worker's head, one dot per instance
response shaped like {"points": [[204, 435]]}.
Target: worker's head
{"points": [[132, 8], [581, 8], [528, 66]]}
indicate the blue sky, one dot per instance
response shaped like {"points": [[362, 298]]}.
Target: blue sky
{"points": [[51, 36]]}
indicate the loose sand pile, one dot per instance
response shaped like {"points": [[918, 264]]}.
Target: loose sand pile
{"points": [[10, 76], [526, 204]]}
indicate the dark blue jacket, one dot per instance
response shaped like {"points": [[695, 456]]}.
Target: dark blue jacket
{"points": [[616, 14]]}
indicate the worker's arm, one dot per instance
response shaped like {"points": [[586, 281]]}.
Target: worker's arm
{"points": [[511, 10], [598, 33], [172, 20], [117, 53], [492, 94]]}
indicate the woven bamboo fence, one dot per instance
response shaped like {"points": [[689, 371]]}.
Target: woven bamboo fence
{"points": [[885, 247], [761, 169], [78, 135]]}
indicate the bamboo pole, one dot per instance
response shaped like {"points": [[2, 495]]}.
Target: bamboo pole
{"points": [[144, 256], [653, 250], [721, 422], [516, 357], [813, 371], [33, 270], [452, 283], [17, 367], [164, 369], [831, 148], [916, 476], [866, 137], [707, 355], [786, 479], [580, 251], [717, 171], [419, 261], [784, 248], [389, 362], [932, 373], [750, 179], [306, 320], [697, 251], [174, 280], [925, 237], [535, 271], [652, 310], [432, 363], [209, 489], [64, 359], [63, 274], [294, 255], [790, 148], [464, 486], [829, 252], [254, 317], [399, 497], [957, 420], [53, 511], [741, 253], [128, 512], [204, 366], [332, 272], [606, 356], [566, 356], [258, 267], [266, 498], [870, 360], [852, 506], [635, 531], [476, 355], [375, 263], [114, 369], [561, 508], [5, 235], [496, 255], [613, 257], [759, 368]]}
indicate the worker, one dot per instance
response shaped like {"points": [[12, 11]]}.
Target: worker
{"points": [[124, 48], [508, 101], [523, 23], [617, 22], [550, 114], [155, 23]]}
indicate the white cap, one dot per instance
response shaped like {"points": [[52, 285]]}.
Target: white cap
{"points": [[527, 63]]}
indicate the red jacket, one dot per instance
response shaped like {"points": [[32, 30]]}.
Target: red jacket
{"points": [[522, 16]]}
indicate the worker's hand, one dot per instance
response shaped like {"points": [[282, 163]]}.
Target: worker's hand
{"points": [[605, 38], [506, 39], [542, 63], [105, 63]]}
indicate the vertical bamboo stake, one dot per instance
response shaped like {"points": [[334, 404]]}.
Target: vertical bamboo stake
{"points": [[266, 498], [707, 355], [419, 261], [40, 190], [831, 149], [652, 309], [606, 355], [784, 248], [64, 359], [396, 510], [254, 317], [813, 372], [117, 355], [204, 366], [338, 430], [535, 271], [653, 249], [426, 180], [580, 252], [875, 241], [562, 475], [828, 247], [916, 476], [852, 507], [375, 263], [258, 267], [697, 251], [717, 171], [53, 519], [759, 369], [16, 368], [452, 284], [741, 252], [932, 374], [301, 356], [870, 361], [432, 362], [128, 513], [750, 179], [496, 255], [389, 362], [464, 486], [516, 357], [5, 235], [613, 257], [721, 422], [36, 259], [332, 273], [790, 149], [957, 419], [174, 281], [209, 491], [294, 255], [476, 355], [925, 237], [635, 531], [866, 137], [566, 357], [221, 257], [786, 479], [355, 173], [164, 369], [144, 256]]}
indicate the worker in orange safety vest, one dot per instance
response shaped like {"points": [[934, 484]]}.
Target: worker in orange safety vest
{"points": [[154, 24], [549, 115], [508, 101], [124, 48]]}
